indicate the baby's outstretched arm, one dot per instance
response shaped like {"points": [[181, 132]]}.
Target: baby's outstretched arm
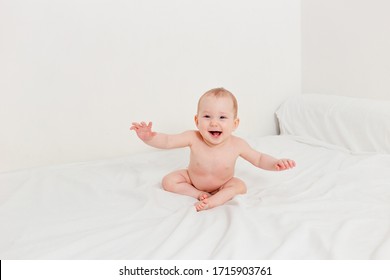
{"points": [[265, 161], [268, 162], [161, 140]]}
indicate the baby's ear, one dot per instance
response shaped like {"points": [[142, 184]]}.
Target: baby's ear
{"points": [[196, 120], [236, 123]]}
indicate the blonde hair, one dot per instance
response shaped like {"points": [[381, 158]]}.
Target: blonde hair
{"points": [[221, 92]]}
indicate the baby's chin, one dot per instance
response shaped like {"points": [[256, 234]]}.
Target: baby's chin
{"points": [[214, 140]]}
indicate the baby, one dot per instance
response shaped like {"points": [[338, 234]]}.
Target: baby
{"points": [[214, 150]]}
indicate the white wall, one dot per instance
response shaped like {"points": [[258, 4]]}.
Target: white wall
{"points": [[74, 74], [345, 47]]}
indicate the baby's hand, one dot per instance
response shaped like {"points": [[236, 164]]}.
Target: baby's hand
{"points": [[143, 130], [283, 164]]}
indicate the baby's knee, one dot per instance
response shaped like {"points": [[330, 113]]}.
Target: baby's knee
{"points": [[237, 185], [241, 188], [167, 183]]}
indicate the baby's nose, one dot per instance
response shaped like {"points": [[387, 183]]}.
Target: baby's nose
{"points": [[213, 122]]}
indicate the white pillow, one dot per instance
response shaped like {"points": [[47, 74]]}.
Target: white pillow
{"points": [[360, 125]]}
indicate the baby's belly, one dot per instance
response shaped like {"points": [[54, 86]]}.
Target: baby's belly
{"points": [[209, 182]]}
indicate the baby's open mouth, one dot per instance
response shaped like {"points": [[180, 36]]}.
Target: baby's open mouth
{"points": [[215, 133]]}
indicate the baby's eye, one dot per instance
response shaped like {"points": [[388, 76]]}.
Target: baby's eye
{"points": [[206, 116], [223, 117]]}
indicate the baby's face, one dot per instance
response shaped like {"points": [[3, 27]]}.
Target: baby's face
{"points": [[215, 119]]}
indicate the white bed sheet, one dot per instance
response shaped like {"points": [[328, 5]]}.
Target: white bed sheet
{"points": [[333, 205]]}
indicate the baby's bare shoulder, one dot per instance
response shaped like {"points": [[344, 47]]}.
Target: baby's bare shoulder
{"points": [[238, 141], [192, 135], [240, 144]]}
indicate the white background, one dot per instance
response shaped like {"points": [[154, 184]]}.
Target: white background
{"points": [[74, 74], [345, 47]]}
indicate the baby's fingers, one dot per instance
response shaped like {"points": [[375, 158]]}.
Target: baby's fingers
{"points": [[284, 164], [292, 163], [288, 163], [135, 126], [280, 166], [148, 126]]}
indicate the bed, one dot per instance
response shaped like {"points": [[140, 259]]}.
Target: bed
{"points": [[334, 205]]}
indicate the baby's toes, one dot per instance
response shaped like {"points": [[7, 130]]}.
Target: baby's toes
{"points": [[201, 205], [203, 196], [198, 207]]}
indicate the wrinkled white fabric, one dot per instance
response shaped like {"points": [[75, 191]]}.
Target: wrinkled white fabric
{"points": [[333, 205]]}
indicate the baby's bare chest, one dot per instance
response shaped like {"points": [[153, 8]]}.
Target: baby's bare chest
{"points": [[213, 160]]}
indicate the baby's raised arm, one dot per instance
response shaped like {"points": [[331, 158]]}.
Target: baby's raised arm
{"points": [[264, 161], [161, 140]]}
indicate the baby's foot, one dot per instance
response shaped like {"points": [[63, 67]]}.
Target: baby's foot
{"points": [[202, 205], [203, 196]]}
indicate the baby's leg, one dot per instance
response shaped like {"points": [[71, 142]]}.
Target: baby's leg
{"points": [[232, 188], [179, 182]]}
